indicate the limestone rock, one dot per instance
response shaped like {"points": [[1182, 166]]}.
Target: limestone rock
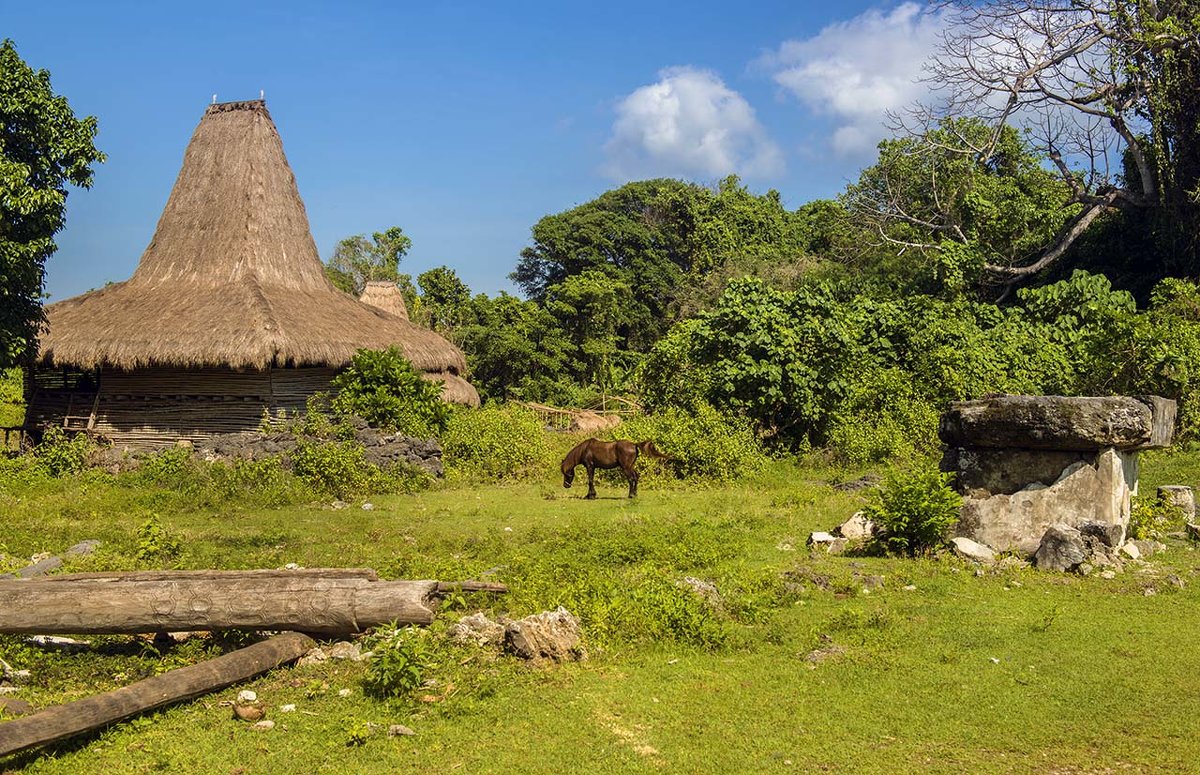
{"points": [[972, 550], [313, 657], [1130, 550], [1059, 422], [821, 537], [398, 730], [856, 528], [1110, 534], [1083, 493], [1061, 549], [981, 473], [477, 628], [1147, 548], [549, 635], [1181, 497], [705, 590]]}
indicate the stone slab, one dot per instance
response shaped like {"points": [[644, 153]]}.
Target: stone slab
{"points": [[1075, 423]]}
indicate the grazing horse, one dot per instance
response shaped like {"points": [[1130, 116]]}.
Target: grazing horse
{"points": [[593, 454]]}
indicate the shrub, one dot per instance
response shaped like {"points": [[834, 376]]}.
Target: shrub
{"points": [[1153, 517], [61, 454], [703, 442], [340, 468], [496, 442], [914, 509], [400, 658], [383, 388], [155, 544], [882, 418]]}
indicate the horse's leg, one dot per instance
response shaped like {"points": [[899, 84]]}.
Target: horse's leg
{"points": [[632, 475], [591, 469]]}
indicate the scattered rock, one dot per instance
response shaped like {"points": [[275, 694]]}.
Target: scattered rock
{"points": [[368, 507], [1084, 569], [344, 692], [1061, 549], [399, 730], [870, 480], [289, 708], [477, 628], [1111, 534], [1130, 550], [857, 528], [248, 711], [972, 550], [246, 695], [1149, 591], [817, 656], [1193, 531], [344, 649], [821, 537], [264, 726], [315, 656], [1175, 581], [1108, 574], [1012, 563], [1148, 548], [1180, 496], [872, 582], [910, 587], [549, 635], [338, 505]]}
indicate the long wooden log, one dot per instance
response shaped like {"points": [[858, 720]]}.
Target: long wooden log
{"points": [[366, 574], [212, 601], [63, 721]]}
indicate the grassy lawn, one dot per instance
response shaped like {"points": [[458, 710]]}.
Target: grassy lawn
{"points": [[812, 663]]}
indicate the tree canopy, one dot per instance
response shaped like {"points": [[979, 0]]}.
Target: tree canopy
{"points": [[43, 147], [357, 260]]}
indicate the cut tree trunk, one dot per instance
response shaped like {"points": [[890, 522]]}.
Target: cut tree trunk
{"points": [[317, 602], [63, 721]]}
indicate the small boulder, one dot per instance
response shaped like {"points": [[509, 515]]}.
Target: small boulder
{"points": [[1061, 549], [705, 590], [1149, 548], [856, 528], [972, 550], [821, 538], [477, 628], [344, 649], [1130, 550], [264, 726], [549, 635], [398, 730], [1109, 533], [1180, 496], [314, 656]]}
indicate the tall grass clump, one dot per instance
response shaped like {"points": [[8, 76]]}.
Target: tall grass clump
{"points": [[495, 442]]}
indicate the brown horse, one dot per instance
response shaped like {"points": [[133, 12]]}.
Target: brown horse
{"points": [[593, 454]]}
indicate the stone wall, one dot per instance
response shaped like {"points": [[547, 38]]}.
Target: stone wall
{"points": [[1025, 463]]}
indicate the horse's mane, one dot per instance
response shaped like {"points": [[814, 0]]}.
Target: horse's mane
{"points": [[572, 458]]}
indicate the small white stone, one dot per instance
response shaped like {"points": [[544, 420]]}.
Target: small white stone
{"points": [[396, 730], [994, 660], [246, 696], [506, 530], [368, 506], [910, 587], [343, 692], [1130, 550], [289, 708], [1108, 574], [263, 725]]}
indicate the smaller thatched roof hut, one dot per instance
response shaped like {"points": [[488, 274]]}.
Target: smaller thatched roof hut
{"points": [[386, 296]]}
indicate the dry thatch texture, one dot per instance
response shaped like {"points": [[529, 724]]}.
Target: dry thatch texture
{"points": [[232, 276], [385, 296], [455, 389]]}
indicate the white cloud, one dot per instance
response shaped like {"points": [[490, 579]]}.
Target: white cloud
{"points": [[857, 70], [688, 124]]}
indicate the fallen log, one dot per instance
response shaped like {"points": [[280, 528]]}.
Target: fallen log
{"points": [[63, 721], [213, 600], [329, 601]]}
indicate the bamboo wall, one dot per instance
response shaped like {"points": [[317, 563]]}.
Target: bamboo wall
{"points": [[152, 408]]}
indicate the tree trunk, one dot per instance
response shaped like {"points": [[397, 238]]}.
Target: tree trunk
{"points": [[63, 721], [315, 601]]}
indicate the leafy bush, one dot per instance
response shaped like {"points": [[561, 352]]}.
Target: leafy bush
{"points": [[383, 388], [496, 442], [61, 454], [1153, 517], [155, 544], [400, 658], [12, 399], [914, 509], [883, 417], [701, 441]]}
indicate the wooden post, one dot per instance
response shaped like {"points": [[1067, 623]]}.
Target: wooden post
{"points": [[313, 601], [63, 721]]}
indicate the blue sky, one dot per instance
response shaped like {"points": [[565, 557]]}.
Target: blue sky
{"points": [[464, 123]]}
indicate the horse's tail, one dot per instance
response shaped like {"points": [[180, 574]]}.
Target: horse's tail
{"points": [[648, 449]]}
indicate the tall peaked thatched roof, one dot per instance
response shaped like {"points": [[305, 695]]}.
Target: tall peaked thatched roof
{"points": [[385, 295], [232, 276]]}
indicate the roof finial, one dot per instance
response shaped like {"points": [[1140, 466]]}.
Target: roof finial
{"points": [[262, 94], [214, 99]]}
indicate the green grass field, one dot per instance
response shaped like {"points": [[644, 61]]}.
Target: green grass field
{"points": [[813, 663]]}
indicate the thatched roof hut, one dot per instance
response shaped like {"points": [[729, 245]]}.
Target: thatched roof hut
{"points": [[230, 284]]}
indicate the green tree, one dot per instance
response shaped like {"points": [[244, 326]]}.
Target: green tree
{"points": [[444, 297], [590, 308], [516, 349], [357, 260], [929, 196], [1094, 81], [43, 147]]}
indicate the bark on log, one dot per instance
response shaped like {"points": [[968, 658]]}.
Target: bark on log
{"points": [[63, 721], [212, 600], [366, 574]]}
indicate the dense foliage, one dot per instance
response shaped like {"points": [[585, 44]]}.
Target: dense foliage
{"points": [[43, 147], [383, 388], [914, 510]]}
